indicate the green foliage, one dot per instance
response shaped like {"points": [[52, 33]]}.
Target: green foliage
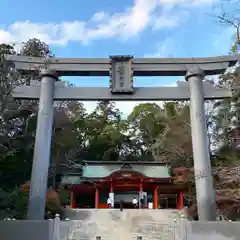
{"points": [[18, 201], [4, 211], [148, 119], [104, 132], [36, 48], [226, 118], [13, 204], [7, 49], [53, 208], [64, 197]]}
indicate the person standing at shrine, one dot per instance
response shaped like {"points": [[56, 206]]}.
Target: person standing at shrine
{"points": [[121, 205], [141, 199], [109, 202], [135, 202]]}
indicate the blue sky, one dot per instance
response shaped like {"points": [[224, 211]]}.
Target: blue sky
{"points": [[142, 28]]}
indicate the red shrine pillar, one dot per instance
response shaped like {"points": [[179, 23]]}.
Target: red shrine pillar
{"points": [[141, 187], [72, 199], [180, 204], [111, 187], [96, 197], [155, 197]]}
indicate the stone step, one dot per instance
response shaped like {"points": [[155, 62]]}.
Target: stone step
{"points": [[157, 214], [113, 224], [90, 230]]}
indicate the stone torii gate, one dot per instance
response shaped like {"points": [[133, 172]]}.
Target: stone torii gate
{"points": [[121, 70]]}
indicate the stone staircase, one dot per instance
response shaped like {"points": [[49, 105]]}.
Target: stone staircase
{"points": [[112, 224]]}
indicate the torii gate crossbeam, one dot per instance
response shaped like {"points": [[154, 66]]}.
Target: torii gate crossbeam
{"points": [[62, 92], [121, 70]]}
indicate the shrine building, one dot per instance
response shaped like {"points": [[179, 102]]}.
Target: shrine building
{"points": [[152, 183]]}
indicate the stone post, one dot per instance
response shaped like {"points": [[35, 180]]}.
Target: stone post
{"points": [[202, 165], [56, 226], [41, 158]]}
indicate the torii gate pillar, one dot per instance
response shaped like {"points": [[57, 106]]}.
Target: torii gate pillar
{"points": [[41, 158], [202, 165]]}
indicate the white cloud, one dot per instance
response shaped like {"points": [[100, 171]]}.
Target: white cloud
{"points": [[5, 36], [101, 25], [164, 49], [166, 22], [126, 24], [98, 16]]}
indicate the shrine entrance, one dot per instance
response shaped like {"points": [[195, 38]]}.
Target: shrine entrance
{"points": [[125, 197], [150, 183], [121, 70], [147, 199], [169, 201]]}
